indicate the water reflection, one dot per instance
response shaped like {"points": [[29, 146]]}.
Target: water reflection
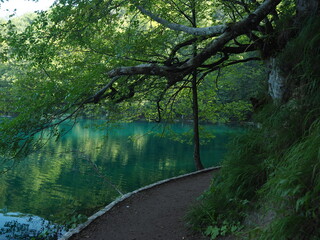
{"points": [[72, 176], [21, 226]]}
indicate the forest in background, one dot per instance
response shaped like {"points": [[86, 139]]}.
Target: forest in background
{"points": [[225, 97], [167, 60], [53, 59]]}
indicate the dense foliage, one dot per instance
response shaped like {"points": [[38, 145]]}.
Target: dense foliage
{"points": [[186, 59], [268, 187], [115, 59]]}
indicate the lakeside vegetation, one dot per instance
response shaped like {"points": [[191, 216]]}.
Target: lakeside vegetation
{"points": [[210, 61], [268, 187]]}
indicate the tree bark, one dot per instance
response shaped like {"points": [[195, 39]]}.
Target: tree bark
{"points": [[195, 105], [196, 135], [205, 31], [276, 82], [176, 73]]}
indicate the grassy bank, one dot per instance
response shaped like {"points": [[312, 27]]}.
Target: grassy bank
{"points": [[274, 170]]}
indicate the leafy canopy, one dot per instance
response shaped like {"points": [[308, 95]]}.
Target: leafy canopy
{"points": [[83, 55]]}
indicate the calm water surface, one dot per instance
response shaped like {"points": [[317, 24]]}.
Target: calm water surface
{"points": [[73, 175]]}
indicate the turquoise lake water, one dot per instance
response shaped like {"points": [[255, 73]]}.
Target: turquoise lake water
{"points": [[73, 175]]}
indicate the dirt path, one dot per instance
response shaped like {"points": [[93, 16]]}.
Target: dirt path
{"points": [[156, 213]]}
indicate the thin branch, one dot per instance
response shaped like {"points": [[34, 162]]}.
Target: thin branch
{"points": [[244, 5], [242, 61], [186, 43], [217, 78], [206, 73], [122, 57], [181, 11], [96, 97], [184, 3], [173, 97], [244, 26], [220, 61], [214, 30], [102, 176], [241, 49]]}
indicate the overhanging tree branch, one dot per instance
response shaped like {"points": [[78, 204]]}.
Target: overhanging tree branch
{"points": [[214, 30], [186, 43], [146, 69], [240, 49], [244, 26], [176, 73]]}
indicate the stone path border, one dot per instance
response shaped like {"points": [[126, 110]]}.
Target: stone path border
{"points": [[80, 227]]}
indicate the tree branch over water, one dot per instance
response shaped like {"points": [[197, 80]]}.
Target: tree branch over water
{"points": [[175, 73], [86, 60]]}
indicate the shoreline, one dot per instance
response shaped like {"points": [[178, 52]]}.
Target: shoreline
{"points": [[117, 201]]}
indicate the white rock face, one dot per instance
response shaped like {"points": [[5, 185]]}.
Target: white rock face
{"points": [[276, 81]]}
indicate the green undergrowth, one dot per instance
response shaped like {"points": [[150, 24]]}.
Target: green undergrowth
{"points": [[273, 169]]}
